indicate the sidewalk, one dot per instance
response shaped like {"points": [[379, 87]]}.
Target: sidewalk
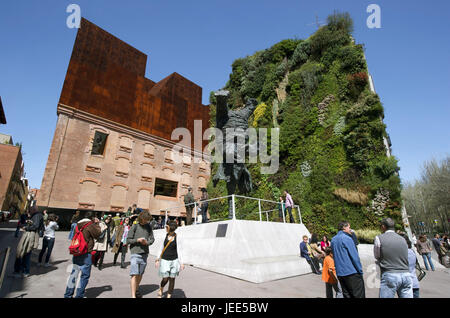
{"points": [[114, 282]]}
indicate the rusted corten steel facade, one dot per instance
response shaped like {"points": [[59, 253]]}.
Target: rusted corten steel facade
{"points": [[105, 91], [106, 78]]}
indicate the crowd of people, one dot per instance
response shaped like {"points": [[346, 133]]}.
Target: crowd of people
{"points": [[91, 236], [393, 252], [133, 232], [336, 260]]}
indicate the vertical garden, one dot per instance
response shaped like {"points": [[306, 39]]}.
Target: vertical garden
{"points": [[332, 157]]}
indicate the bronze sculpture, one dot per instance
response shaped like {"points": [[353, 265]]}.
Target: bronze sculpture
{"points": [[230, 122]]}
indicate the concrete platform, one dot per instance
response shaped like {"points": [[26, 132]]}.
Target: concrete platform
{"points": [[250, 250]]}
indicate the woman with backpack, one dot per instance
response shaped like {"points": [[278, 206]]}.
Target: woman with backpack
{"points": [[169, 261], [48, 240]]}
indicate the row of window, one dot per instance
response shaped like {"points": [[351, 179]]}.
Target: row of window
{"points": [[99, 144]]}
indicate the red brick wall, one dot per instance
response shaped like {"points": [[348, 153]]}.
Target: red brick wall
{"points": [[9, 162]]}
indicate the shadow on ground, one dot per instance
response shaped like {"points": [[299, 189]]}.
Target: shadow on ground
{"points": [[44, 270], [177, 293], [107, 265], [94, 292], [148, 289]]}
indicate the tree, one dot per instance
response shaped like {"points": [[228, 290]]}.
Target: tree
{"points": [[428, 199]]}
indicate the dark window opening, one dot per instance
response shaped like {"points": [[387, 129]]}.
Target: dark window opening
{"points": [[98, 146], [166, 188]]}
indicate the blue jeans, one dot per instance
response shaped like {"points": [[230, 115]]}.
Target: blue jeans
{"points": [[425, 257], [47, 244], [138, 263], [72, 230], [396, 283], [81, 263], [23, 264]]}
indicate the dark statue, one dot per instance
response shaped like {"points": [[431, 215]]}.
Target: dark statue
{"points": [[234, 173]]}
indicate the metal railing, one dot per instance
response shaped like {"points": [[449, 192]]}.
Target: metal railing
{"points": [[233, 205]]}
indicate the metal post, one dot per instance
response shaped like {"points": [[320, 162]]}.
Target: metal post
{"points": [[299, 214], [267, 216], [259, 205], [234, 207], [195, 210], [282, 209]]}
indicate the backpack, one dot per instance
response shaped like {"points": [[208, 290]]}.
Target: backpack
{"points": [[79, 245]]}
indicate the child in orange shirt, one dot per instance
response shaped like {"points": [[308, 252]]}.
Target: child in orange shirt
{"points": [[329, 275]]}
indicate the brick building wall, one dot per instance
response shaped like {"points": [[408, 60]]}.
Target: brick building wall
{"points": [[11, 170]]}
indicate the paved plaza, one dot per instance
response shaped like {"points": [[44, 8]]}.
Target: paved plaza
{"points": [[114, 282]]}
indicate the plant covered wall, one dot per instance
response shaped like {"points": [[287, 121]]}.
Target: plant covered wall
{"points": [[332, 157]]}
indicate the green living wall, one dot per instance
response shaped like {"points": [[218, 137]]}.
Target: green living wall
{"points": [[332, 157]]}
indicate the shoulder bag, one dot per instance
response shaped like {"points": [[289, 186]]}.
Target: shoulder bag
{"points": [[419, 271], [165, 247]]}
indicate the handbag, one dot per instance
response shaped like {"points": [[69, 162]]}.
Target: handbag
{"points": [[419, 272]]}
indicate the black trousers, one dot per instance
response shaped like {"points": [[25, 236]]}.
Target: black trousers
{"points": [[314, 263], [204, 212], [329, 289], [352, 286], [189, 214], [123, 250], [291, 218]]}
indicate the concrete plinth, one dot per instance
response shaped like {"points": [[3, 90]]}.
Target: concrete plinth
{"points": [[250, 250]]}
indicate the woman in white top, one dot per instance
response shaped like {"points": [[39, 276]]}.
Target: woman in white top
{"points": [[48, 241]]}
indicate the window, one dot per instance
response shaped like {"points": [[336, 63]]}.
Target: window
{"points": [[98, 146], [166, 188]]}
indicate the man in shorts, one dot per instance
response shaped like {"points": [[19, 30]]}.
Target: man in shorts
{"points": [[140, 237]]}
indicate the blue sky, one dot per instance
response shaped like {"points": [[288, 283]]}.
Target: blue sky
{"points": [[409, 58]]}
